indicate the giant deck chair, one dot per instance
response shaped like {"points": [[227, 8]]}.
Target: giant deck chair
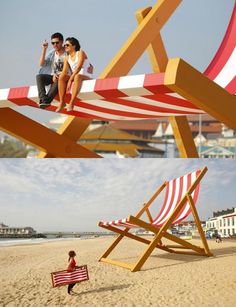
{"points": [[175, 91], [180, 200]]}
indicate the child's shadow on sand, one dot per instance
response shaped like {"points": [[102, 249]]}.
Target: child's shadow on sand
{"points": [[102, 289]]}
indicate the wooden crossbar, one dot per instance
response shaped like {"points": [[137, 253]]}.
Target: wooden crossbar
{"points": [[118, 263], [185, 80]]}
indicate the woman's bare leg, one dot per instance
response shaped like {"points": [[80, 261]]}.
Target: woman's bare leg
{"points": [[76, 87], [62, 84]]}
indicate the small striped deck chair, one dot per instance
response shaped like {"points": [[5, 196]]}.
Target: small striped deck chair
{"points": [[62, 278], [179, 201]]}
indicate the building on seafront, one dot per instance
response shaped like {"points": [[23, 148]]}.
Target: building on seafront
{"points": [[223, 222], [6, 231]]}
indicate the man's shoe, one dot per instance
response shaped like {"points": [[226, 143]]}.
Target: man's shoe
{"points": [[44, 105]]}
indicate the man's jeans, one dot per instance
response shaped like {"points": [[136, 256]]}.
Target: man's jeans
{"points": [[42, 81]]}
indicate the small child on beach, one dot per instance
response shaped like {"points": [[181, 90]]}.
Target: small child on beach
{"points": [[71, 267]]}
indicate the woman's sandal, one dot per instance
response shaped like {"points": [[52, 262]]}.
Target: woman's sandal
{"points": [[69, 108]]}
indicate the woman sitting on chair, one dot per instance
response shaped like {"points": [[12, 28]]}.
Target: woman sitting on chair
{"points": [[81, 69]]}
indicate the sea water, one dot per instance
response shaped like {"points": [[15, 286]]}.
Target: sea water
{"points": [[14, 242]]}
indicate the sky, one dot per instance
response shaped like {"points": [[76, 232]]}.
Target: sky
{"points": [[75, 194], [193, 33]]}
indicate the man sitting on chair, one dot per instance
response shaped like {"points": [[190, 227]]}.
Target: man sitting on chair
{"points": [[51, 67]]}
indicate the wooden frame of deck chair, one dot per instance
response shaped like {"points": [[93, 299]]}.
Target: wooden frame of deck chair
{"points": [[181, 196]]}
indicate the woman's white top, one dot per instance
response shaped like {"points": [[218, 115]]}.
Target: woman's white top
{"points": [[87, 67]]}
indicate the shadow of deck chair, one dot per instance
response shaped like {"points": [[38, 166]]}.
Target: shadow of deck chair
{"points": [[180, 199]]}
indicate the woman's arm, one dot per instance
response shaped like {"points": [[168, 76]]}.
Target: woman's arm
{"points": [[81, 59], [65, 66]]}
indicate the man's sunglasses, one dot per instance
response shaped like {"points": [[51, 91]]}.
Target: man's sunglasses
{"points": [[53, 43]]}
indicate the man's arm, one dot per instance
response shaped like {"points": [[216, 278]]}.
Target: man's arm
{"points": [[43, 53]]}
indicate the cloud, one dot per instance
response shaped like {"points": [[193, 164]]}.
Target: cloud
{"points": [[76, 193]]}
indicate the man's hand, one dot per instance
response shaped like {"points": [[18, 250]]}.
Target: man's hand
{"points": [[45, 44]]}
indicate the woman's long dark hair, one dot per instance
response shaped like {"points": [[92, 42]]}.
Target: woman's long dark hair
{"points": [[74, 42]]}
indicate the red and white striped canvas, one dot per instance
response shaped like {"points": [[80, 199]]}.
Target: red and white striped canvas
{"points": [[124, 98], [175, 191], [136, 97], [222, 68], [62, 278]]}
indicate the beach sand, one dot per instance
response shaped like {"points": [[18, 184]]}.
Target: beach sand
{"points": [[165, 279]]}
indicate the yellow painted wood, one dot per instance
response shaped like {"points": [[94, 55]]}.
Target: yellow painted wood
{"points": [[125, 233], [183, 137], [190, 253], [165, 234], [150, 201], [184, 243], [117, 263], [159, 60], [121, 233], [156, 50], [199, 226], [149, 216], [40, 137], [139, 40], [112, 246], [177, 246], [185, 80], [72, 128]]}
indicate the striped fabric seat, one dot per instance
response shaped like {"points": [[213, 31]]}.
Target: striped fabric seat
{"points": [[175, 191], [137, 97], [222, 68], [62, 278]]}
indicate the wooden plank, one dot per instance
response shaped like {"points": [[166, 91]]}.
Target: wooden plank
{"points": [[184, 243], [125, 233], [190, 253], [41, 137], [139, 40], [159, 60], [177, 246], [150, 201], [185, 80], [117, 263], [183, 137], [72, 128], [156, 50], [199, 226], [165, 234]]}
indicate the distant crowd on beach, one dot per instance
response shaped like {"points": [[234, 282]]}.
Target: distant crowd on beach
{"points": [[63, 69]]}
